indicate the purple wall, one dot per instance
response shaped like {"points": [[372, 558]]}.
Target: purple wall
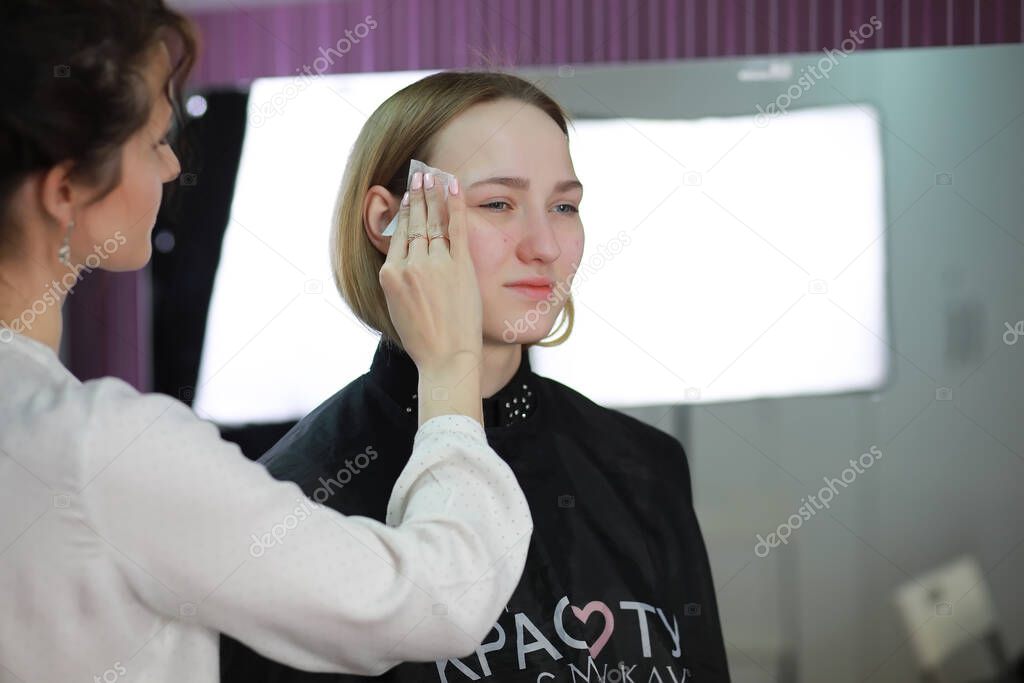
{"points": [[424, 34], [108, 328], [109, 315]]}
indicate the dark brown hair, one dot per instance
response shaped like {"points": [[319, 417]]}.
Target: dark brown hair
{"points": [[73, 84]]}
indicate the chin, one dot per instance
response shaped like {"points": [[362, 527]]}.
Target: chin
{"points": [[517, 329], [123, 261]]}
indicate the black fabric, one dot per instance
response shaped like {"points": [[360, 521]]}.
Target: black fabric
{"points": [[195, 213], [614, 533]]}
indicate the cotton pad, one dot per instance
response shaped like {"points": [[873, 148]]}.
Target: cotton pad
{"points": [[416, 166]]}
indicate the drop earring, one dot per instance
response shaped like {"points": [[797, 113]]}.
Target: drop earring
{"points": [[64, 253]]}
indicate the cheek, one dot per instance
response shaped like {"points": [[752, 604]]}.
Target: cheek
{"points": [[130, 216], [133, 208], [489, 248], [572, 253], [147, 188], [139, 211]]}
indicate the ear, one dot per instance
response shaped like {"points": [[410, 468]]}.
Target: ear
{"points": [[58, 194], [379, 207]]}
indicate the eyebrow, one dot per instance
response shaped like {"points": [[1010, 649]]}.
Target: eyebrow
{"points": [[524, 184]]}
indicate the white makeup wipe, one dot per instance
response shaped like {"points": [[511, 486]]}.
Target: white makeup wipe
{"points": [[418, 166]]}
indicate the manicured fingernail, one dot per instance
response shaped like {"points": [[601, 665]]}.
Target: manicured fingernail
{"points": [[405, 199], [417, 180], [428, 180], [453, 186]]}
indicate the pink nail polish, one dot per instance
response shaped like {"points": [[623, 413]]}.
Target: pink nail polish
{"points": [[417, 180], [405, 199], [453, 186], [428, 181]]}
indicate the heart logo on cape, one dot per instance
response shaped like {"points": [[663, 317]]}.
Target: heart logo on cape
{"points": [[609, 623]]}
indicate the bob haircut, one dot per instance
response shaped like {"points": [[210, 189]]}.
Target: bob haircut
{"points": [[403, 128]]}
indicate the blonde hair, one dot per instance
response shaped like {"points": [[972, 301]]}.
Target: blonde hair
{"points": [[403, 128]]}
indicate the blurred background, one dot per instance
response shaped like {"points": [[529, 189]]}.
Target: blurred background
{"points": [[804, 260]]}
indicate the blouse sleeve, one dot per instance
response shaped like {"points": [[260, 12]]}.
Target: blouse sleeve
{"points": [[201, 533]]}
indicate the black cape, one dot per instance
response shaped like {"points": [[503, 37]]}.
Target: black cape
{"points": [[617, 586]]}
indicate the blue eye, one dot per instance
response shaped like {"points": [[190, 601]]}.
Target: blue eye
{"points": [[491, 204], [572, 209]]}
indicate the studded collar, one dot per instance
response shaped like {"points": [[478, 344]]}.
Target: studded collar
{"points": [[514, 403]]}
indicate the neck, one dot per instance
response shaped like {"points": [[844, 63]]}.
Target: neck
{"points": [[32, 293], [500, 362]]}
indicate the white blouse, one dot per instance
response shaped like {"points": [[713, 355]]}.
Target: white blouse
{"points": [[131, 534]]}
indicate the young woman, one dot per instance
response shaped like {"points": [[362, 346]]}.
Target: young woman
{"points": [[617, 583], [130, 533]]}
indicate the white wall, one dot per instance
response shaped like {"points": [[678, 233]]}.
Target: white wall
{"points": [[950, 478]]}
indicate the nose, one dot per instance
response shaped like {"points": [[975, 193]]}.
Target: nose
{"points": [[539, 241]]}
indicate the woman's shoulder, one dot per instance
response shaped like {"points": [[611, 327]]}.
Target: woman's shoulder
{"points": [[572, 407], [86, 424], [354, 432], [338, 417], [38, 387], [628, 446]]}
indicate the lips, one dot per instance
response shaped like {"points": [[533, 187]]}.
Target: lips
{"points": [[533, 288], [533, 282]]}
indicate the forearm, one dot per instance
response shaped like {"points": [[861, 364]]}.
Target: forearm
{"points": [[297, 582]]}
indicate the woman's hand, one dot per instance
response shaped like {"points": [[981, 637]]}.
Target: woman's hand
{"points": [[434, 300]]}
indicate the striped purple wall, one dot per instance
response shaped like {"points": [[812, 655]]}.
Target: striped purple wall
{"points": [[241, 44], [108, 327]]}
